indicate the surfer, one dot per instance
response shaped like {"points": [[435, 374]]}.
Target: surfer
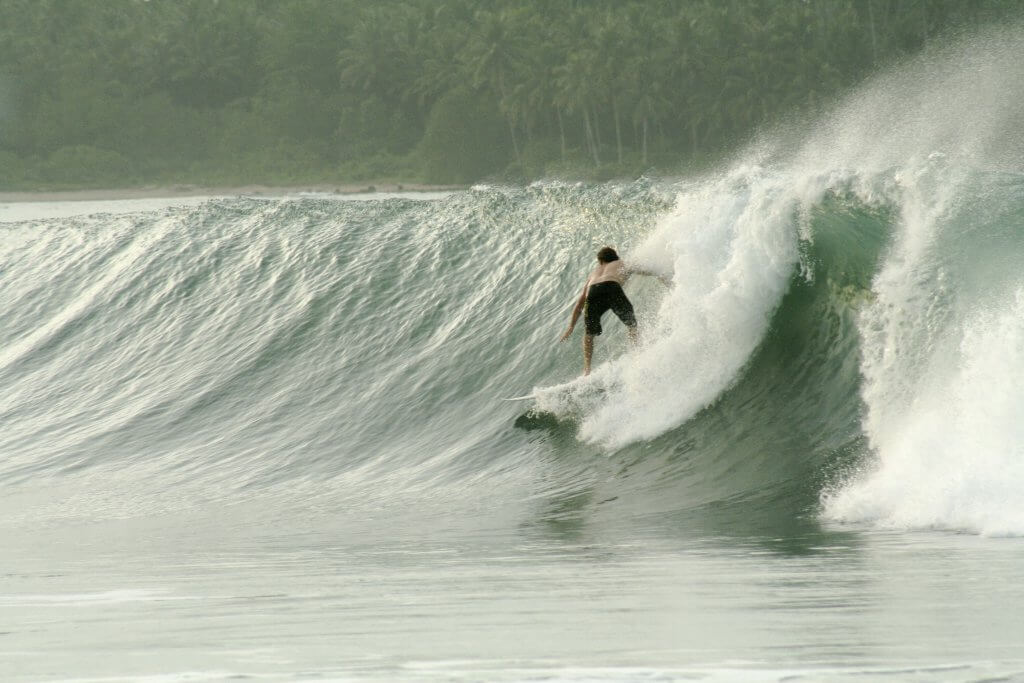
{"points": [[603, 291]]}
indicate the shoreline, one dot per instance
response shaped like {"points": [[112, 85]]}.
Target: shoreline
{"points": [[171, 191]]}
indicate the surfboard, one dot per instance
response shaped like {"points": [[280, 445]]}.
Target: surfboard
{"points": [[580, 388]]}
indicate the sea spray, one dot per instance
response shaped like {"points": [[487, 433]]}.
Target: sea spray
{"points": [[944, 442]]}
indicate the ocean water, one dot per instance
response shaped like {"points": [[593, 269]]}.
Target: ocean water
{"points": [[265, 437]]}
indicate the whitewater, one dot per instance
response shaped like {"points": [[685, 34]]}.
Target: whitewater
{"points": [[264, 437]]}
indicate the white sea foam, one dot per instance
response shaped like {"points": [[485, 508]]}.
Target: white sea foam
{"points": [[941, 342], [950, 447]]}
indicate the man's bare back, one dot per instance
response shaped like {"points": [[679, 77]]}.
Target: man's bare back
{"points": [[616, 271]]}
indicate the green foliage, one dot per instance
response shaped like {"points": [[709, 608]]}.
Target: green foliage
{"points": [[140, 91], [160, 135], [98, 167], [369, 125], [537, 155], [381, 167], [464, 139], [12, 170]]}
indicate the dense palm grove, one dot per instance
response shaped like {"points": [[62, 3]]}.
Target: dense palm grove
{"points": [[141, 91]]}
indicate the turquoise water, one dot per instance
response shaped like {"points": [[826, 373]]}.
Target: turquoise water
{"points": [[264, 437]]}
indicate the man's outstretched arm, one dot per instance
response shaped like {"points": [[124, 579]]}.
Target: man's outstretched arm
{"points": [[635, 270]]}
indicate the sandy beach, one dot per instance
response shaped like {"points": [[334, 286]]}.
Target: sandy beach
{"points": [[155, 192]]}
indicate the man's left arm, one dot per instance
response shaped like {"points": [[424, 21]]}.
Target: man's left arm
{"points": [[633, 269]]}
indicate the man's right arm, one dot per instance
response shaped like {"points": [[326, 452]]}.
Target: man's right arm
{"points": [[577, 309]]}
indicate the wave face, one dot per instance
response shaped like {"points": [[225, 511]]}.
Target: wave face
{"points": [[842, 336]]}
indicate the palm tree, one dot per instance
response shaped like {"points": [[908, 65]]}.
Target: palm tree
{"points": [[576, 92], [493, 55], [613, 39], [375, 55], [438, 62]]}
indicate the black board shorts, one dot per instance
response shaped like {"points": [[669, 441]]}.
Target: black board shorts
{"points": [[601, 297]]}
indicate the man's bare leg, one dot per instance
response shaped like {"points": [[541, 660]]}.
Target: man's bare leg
{"points": [[588, 352]]}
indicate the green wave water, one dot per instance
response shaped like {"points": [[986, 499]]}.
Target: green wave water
{"points": [[357, 351]]}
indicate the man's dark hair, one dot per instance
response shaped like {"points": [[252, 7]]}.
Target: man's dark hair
{"points": [[607, 255]]}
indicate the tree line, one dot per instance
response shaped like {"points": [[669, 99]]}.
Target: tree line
{"points": [[144, 91]]}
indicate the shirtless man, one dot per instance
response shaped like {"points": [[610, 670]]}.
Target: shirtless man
{"points": [[603, 291]]}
